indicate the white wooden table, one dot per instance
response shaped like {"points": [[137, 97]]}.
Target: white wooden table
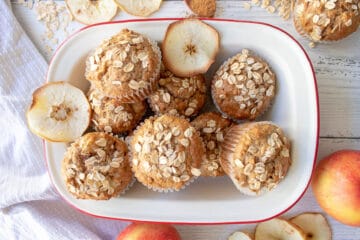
{"points": [[338, 73]]}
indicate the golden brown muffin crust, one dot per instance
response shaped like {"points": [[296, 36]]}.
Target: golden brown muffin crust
{"points": [[244, 86], [256, 156], [126, 66], [327, 20], [166, 153], [96, 166], [178, 95]]}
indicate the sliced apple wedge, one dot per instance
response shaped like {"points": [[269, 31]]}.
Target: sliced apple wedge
{"points": [[140, 8], [59, 112], [315, 226], [190, 47], [90, 12], [240, 236], [278, 229]]}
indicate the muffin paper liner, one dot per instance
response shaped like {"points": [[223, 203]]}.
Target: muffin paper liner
{"points": [[169, 190], [131, 183], [228, 149]]}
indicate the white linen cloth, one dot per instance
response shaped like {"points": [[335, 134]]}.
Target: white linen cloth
{"points": [[29, 206]]}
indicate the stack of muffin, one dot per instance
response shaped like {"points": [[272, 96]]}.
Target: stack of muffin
{"points": [[169, 149]]}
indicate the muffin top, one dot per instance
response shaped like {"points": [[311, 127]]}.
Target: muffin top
{"points": [[256, 156], [326, 20], [212, 127], [166, 153], [178, 95], [244, 86], [96, 166], [111, 115], [125, 66]]}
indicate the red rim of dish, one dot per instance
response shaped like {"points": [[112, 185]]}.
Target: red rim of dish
{"points": [[213, 20]]}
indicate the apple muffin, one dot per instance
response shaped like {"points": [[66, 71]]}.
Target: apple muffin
{"points": [[178, 95], [244, 86], [126, 66], [166, 153], [111, 115], [212, 128], [96, 166], [256, 156], [327, 20]]}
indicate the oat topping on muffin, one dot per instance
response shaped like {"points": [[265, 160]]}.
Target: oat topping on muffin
{"points": [[96, 166], [327, 20], [256, 156], [244, 86], [213, 128], [166, 153], [178, 95], [111, 115], [126, 66]]}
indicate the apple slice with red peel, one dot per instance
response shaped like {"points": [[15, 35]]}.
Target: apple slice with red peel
{"points": [[240, 236], [91, 12], [140, 8], [278, 229], [190, 47], [59, 112], [314, 225]]}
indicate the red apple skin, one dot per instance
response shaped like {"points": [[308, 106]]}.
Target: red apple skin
{"points": [[149, 231], [336, 186]]}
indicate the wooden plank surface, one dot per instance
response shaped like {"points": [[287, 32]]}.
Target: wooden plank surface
{"points": [[307, 203], [337, 65], [337, 68]]}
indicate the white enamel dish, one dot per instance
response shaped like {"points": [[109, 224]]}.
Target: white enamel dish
{"points": [[207, 200]]}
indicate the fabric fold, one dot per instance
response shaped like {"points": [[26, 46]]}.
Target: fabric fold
{"points": [[30, 208]]}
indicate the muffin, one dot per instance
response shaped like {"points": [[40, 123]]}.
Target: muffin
{"points": [[166, 153], [326, 20], [256, 156], [178, 95], [126, 66], [96, 166], [243, 87], [212, 127], [111, 115]]}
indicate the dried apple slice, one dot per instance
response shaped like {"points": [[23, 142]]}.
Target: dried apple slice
{"points": [[240, 236], [91, 12], [314, 225], [190, 47], [59, 112], [140, 8], [278, 229]]}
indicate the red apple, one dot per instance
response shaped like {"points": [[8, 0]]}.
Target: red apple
{"points": [[149, 231], [336, 186]]}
